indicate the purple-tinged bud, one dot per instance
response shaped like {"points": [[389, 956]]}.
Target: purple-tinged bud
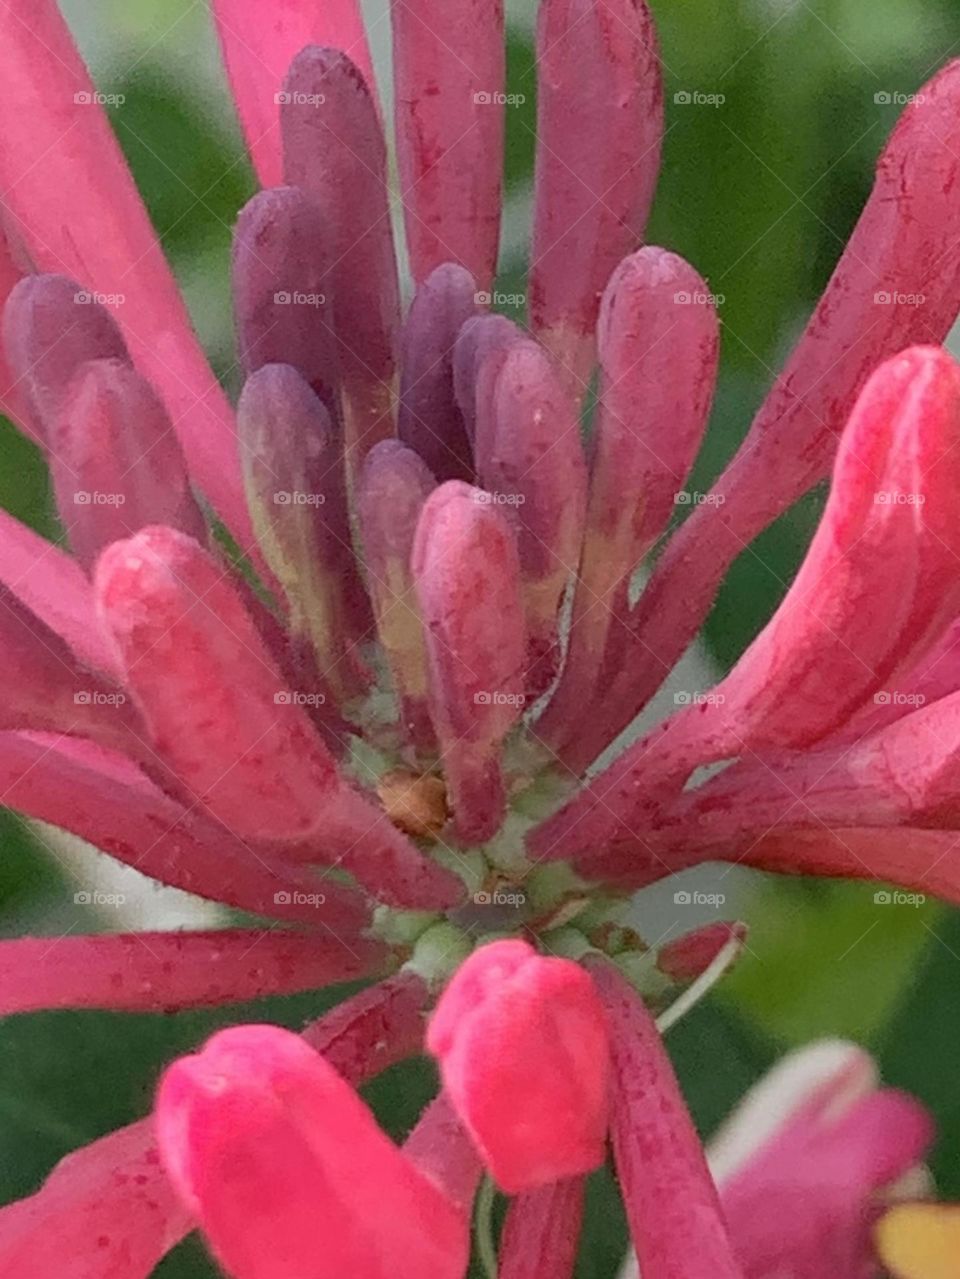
{"points": [[530, 460], [430, 420], [599, 128], [480, 344], [281, 288], [51, 325], [468, 582], [658, 345], [115, 460], [333, 149], [450, 131], [394, 485], [294, 481]]}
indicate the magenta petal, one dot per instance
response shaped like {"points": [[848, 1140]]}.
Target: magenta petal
{"points": [[449, 70], [530, 460], [115, 461], [259, 40], [464, 555], [157, 972], [671, 1201], [599, 127], [106, 1210], [430, 420], [441, 1149], [658, 344], [542, 1231], [59, 141], [334, 151], [374, 1030], [12, 400], [482, 345], [897, 283], [394, 485]]}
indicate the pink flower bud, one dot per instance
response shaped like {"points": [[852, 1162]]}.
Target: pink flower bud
{"points": [[599, 126], [287, 1172], [481, 346], [115, 460], [450, 131], [468, 584], [522, 1044]]}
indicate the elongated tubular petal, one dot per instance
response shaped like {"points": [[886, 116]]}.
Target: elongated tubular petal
{"points": [[13, 403], [51, 328], [294, 482], [259, 41], [106, 1210], [116, 463], [262, 1139], [468, 583], [877, 586], [52, 585], [47, 689], [333, 149], [897, 283], [221, 718], [481, 347], [60, 141], [689, 956], [516, 1024], [599, 128], [157, 972], [441, 1149], [672, 1206], [529, 458], [658, 345], [449, 70], [429, 419], [541, 1232], [108, 801], [373, 1030], [283, 306], [394, 485]]}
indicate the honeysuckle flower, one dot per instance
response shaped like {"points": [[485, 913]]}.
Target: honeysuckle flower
{"points": [[367, 723]]}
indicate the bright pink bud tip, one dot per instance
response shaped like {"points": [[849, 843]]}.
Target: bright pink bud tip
{"points": [[522, 1045], [288, 1173]]}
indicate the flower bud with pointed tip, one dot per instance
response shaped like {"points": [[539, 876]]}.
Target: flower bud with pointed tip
{"points": [[115, 460], [288, 1173], [522, 1044], [430, 419], [468, 583]]}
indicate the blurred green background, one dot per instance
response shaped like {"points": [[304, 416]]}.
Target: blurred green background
{"points": [[760, 193]]}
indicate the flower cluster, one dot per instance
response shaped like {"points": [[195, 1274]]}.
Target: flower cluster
{"points": [[342, 657]]}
